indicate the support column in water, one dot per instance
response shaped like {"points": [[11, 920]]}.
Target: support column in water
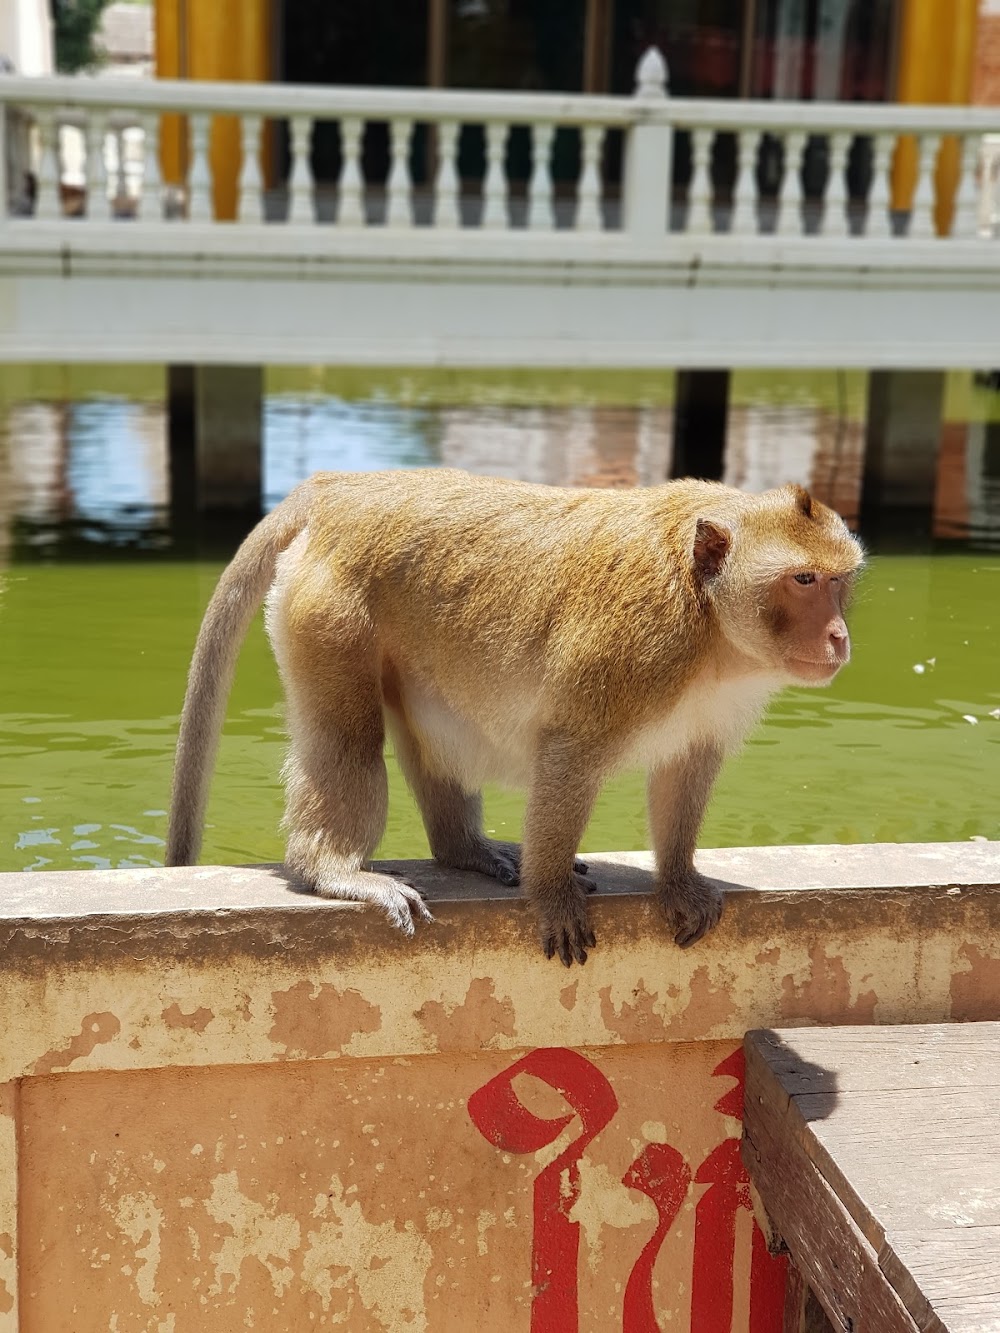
{"points": [[215, 435], [902, 441]]}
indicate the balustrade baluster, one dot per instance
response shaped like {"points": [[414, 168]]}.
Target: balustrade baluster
{"points": [[699, 214], [121, 175], [150, 203], [251, 194], [965, 222], [879, 219], [199, 208], [48, 203], [300, 184], [350, 190], [744, 220], [397, 191], [922, 211], [447, 212], [790, 200], [95, 186], [494, 211], [541, 213], [834, 220], [588, 209]]}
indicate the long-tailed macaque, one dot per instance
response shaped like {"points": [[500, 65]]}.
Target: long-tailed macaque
{"points": [[519, 634]]}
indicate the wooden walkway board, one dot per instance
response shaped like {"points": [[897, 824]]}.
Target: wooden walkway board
{"points": [[876, 1155]]}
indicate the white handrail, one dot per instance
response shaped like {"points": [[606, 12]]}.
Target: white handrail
{"points": [[650, 203]]}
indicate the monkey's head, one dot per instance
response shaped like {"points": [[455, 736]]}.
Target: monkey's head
{"points": [[779, 571]]}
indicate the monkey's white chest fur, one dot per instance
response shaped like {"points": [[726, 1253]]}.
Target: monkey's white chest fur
{"points": [[711, 711]]}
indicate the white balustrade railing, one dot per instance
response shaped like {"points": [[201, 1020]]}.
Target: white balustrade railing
{"points": [[646, 165]]}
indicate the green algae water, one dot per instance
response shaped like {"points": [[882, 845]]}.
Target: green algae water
{"points": [[904, 746], [98, 615]]}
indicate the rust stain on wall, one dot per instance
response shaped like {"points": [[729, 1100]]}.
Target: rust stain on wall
{"points": [[197, 1021], [636, 1020], [975, 991], [95, 1030], [311, 1021], [472, 1025], [825, 994]]}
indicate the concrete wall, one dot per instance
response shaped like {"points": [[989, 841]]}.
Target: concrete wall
{"points": [[225, 1105]]}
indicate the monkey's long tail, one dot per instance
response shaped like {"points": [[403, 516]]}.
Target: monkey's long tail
{"points": [[236, 600]]}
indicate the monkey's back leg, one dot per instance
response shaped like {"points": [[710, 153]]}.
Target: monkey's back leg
{"points": [[336, 790], [452, 815]]}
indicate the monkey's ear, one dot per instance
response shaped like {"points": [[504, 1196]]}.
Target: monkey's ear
{"points": [[711, 546], [803, 500]]}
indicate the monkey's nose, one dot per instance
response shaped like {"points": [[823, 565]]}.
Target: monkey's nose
{"points": [[840, 641]]}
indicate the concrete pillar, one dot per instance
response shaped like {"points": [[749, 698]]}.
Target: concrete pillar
{"points": [[215, 434], [902, 439], [701, 407]]}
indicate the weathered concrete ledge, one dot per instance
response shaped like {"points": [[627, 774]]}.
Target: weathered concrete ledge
{"points": [[217, 965], [226, 1104]]}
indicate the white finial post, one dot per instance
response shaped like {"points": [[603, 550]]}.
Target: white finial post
{"points": [[651, 74], [648, 153]]}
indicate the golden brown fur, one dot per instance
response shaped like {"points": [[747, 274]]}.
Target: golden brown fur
{"points": [[522, 634]]}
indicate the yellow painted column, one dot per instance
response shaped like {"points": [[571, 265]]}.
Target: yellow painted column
{"points": [[936, 51], [169, 19], [225, 40]]}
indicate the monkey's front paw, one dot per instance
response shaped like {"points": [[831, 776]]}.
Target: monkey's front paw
{"points": [[692, 904], [565, 929]]}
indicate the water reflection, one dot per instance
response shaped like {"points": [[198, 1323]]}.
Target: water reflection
{"points": [[94, 471]]}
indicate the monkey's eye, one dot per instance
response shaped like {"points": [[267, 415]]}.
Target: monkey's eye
{"points": [[805, 578]]}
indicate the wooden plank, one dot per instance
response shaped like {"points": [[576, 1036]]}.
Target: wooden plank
{"points": [[826, 1245], [917, 1173], [886, 1058], [952, 1277], [803, 1312]]}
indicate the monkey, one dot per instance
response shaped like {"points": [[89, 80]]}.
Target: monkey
{"points": [[518, 633]]}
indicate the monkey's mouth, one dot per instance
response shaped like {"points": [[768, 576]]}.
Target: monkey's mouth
{"points": [[811, 672]]}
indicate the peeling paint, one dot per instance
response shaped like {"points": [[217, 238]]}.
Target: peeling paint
{"points": [[197, 1021], [256, 1234], [138, 1217], [604, 1202], [475, 1023], [387, 1265], [567, 996], [311, 1021], [637, 1019], [95, 1030], [824, 995], [710, 1004], [975, 991]]}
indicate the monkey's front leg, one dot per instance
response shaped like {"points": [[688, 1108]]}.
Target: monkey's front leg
{"points": [[678, 794], [562, 794]]}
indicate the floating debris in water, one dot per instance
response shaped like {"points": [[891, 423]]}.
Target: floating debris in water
{"points": [[919, 668], [972, 721], [995, 712]]}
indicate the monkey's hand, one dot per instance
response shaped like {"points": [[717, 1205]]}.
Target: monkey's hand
{"points": [[692, 904], [563, 923]]}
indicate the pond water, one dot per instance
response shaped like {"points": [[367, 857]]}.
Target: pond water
{"points": [[98, 612]]}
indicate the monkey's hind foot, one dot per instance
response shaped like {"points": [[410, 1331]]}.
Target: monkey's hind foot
{"points": [[499, 860], [692, 904], [401, 902], [564, 927]]}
